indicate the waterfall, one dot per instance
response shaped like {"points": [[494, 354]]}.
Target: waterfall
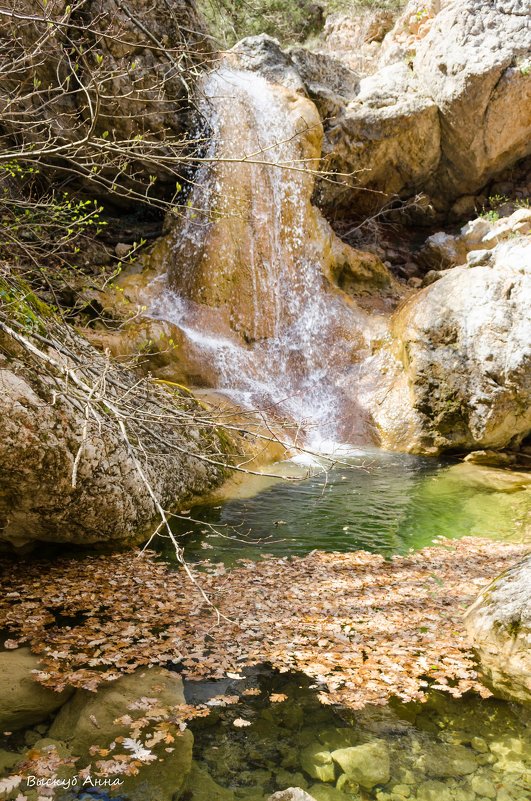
{"points": [[248, 268]]}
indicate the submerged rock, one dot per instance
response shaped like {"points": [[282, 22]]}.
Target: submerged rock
{"points": [[447, 761], [200, 786], [23, 701], [491, 458], [499, 627], [96, 719], [291, 794], [318, 763], [367, 764]]}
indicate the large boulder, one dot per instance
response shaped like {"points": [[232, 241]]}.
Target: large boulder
{"points": [[23, 701], [499, 627], [456, 372], [472, 62], [448, 108], [91, 722], [384, 142], [86, 445]]}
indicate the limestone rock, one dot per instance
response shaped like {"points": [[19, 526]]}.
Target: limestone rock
{"points": [[412, 25], [499, 627], [455, 72], [448, 761], [326, 792], [460, 360], [472, 64], [23, 701], [483, 787], [388, 135], [474, 242], [318, 763], [200, 786], [491, 458], [367, 764], [489, 479], [291, 794], [434, 791], [41, 432], [91, 719], [354, 38]]}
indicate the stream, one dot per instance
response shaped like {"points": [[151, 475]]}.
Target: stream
{"points": [[386, 503], [465, 749]]}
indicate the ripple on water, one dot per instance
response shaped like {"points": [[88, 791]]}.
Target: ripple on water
{"points": [[382, 502]]}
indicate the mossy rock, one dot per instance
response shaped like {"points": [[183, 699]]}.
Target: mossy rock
{"points": [[23, 701], [90, 719]]}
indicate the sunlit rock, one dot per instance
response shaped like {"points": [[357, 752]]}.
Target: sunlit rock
{"points": [[23, 701], [68, 473], [457, 371], [367, 764], [499, 627]]}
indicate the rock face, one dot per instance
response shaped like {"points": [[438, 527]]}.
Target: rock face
{"points": [[472, 62], [150, 86], [90, 719], [499, 626], [475, 240], [23, 701], [262, 289], [68, 473], [448, 108], [457, 372], [387, 135]]}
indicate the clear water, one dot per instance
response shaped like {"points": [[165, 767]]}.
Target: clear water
{"points": [[444, 750], [385, 503]]}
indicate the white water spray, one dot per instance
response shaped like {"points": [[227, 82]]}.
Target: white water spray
{"points": [[246, 280]]}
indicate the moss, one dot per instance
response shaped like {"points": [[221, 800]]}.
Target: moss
{"points": [[21, 304]]}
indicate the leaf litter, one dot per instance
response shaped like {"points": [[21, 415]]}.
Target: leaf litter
{"points": [[363, 628]]}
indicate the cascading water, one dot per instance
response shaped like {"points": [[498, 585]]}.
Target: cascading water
{"points": [[246, 279]]}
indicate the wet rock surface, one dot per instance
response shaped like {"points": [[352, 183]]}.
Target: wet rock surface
{"points": [[430, 752], [23, 701]]}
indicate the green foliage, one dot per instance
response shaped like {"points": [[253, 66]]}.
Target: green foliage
{"points": [[231, 20], [492, 210], [286, 20], [38, 223], [19, 303]]}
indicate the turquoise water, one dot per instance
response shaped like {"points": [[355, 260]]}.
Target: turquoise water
{"points": [[380, 502]]}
